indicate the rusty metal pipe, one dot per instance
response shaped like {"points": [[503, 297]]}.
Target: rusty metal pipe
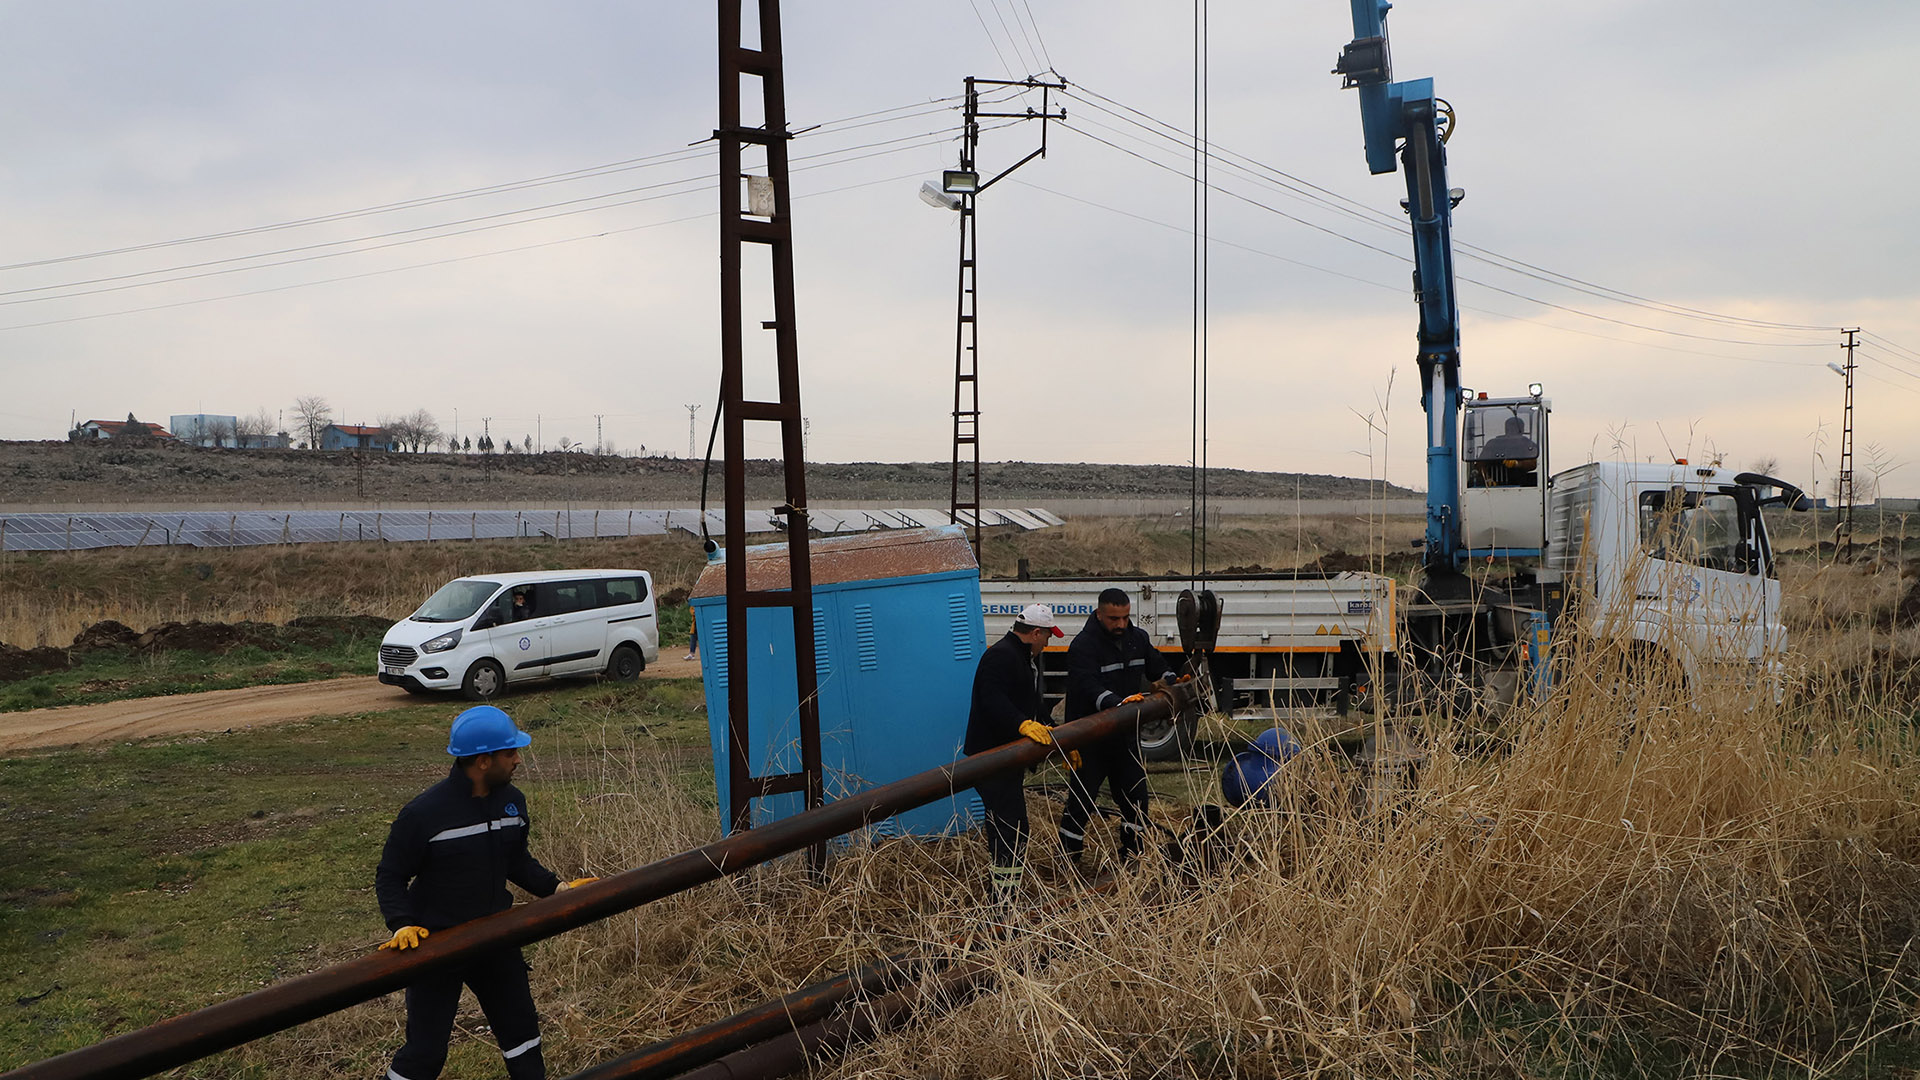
{"points": [[195, 1035], [770, 1019], [796, 1050]]}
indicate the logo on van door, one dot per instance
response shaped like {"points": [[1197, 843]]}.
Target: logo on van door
{"points": [[525, 644]]}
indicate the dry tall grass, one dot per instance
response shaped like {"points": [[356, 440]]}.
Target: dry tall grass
{"points": [[47, 599], [1721, 886]]}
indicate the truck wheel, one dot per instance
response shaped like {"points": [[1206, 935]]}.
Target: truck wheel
{"points": [[626, 664], [485, 681], [1166, 740]]}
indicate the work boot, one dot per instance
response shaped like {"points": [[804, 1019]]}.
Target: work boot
{"points": [[1006, 884]]}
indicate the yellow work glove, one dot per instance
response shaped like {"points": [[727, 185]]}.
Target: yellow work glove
{"points": [[1042, 734], [1037, 731], [575, 883], [407, 937]]}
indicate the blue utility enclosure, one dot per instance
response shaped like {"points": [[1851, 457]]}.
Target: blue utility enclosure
{"points": [[897, 632]]}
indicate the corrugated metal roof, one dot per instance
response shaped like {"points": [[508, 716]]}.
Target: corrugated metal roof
{"points": [[869, 556]]}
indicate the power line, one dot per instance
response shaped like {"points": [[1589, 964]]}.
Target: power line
{"points": [[589, 172], [426, 265], [1261, 252], [1044, 54], [1342, 204], [1070, 125], [442, 230], [990, 39]]}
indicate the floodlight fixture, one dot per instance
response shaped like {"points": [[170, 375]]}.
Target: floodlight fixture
{"points": [[936, 198], [1535, 389], [960, 181], [1837, 369]]}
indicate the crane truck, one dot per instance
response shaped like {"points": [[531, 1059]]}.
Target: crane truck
{"points": [[1669, 562]]}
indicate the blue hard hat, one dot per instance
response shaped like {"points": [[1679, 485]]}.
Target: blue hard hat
{"points": [[1246, 778], [482, 730]]}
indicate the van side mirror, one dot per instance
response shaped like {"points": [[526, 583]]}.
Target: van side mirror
{"points": [[487, 621]]}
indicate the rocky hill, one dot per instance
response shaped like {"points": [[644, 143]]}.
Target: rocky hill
{"points": [[61, 474]]}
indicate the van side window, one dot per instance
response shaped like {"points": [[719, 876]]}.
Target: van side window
{"points": [[622, 591], [1692, 527], [564, 597]]}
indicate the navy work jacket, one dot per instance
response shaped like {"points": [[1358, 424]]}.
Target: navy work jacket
{"points": [[1103, 670], [449, 856], [1006, 692]]}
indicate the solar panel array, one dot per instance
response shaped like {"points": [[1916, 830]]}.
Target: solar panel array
{"points": [[245, 528]]}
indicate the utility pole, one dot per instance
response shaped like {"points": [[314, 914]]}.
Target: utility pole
{"points": [[1843, 531], [765, 225], [965, 183], [539, 438], [692, 411]]}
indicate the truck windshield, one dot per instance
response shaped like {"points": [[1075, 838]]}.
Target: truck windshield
{"points": [[1502, 447], [455, 601]]}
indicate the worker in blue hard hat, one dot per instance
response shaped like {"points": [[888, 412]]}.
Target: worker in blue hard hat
{"points": [[448, 859], [1249, 778]]}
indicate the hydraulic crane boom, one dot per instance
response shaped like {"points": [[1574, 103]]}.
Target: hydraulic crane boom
{"points": [[1407, 115]]}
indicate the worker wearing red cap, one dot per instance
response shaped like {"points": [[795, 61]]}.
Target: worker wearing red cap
{"points": [[448, 859], [1007, 705]]}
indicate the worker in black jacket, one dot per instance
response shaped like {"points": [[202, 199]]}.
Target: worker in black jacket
{"points": [[1007, 705], [1110, 662], [448, 859]]}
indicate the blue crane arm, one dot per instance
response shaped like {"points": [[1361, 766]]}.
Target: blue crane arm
{"points": [[1405, 117]]}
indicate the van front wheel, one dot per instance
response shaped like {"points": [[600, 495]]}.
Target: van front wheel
{"points": [[485, 681], [626, 664]]}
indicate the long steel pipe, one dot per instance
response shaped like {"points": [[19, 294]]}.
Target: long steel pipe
{"points": [[782, 1016], [796, 1050], [195, 1035]]}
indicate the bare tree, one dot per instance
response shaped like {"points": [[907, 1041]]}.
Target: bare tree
{"points": [[426, 430], [253, 430], [218, 430], [311, 413]]}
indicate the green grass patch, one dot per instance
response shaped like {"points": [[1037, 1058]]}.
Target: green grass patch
{"points": [[147, 879], [118, 674]]}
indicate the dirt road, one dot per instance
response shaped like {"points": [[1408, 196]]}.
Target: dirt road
{"points": [[222, 710]]}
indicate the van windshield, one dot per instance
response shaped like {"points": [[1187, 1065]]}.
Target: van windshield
{"points": [[455, 601]]}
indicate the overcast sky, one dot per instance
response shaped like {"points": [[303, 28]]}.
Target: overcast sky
{"points": [[1745, 161]]}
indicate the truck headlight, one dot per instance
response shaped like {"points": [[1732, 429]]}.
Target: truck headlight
{"points": [[442, 643]]}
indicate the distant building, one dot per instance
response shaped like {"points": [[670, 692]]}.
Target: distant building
{"points": [[353, 437], [1898, 506], [109, 429], [204, 429]]}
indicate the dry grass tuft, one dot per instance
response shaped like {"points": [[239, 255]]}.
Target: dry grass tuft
{"points": [[1710, 885]]}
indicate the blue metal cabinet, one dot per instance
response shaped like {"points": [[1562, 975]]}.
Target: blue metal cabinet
{"points": [[897, 632]]}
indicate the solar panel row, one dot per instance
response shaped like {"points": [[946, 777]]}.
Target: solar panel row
{"points": [[249, 528]]}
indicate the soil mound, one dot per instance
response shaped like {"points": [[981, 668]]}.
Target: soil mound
{"points": [[19, 663], [105, 634], [200, 636]]}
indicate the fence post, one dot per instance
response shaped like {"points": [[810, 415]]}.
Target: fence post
{"points": [[69, 533], [429, 526]]}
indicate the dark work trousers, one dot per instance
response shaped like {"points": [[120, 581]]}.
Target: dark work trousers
{"points": [[1004, 798], [1115, 762], [499, 981]]}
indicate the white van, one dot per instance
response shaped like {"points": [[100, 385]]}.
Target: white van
{"points": [[477, 634]]}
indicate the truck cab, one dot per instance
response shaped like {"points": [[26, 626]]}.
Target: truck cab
{"points": [[1674, 558]]}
